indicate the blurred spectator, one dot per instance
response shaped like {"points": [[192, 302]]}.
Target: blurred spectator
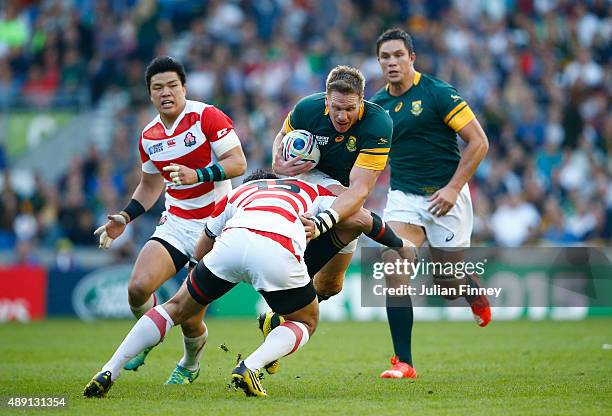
{"points": [[514, 222]]}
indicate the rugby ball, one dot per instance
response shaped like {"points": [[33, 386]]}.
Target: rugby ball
{"points": [[301, 143]]}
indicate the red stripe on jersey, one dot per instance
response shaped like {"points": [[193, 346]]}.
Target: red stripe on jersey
{"points": [[240, 191], [297, 331], [324, 191], [263, 195], [276, 210], [219, 207], [193, 192], [192, 214], [198, 158], [308, 189], [159, 321], [283, 240], [157, 132], [215, 123]]}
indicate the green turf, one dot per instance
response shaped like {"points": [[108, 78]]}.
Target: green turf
{"points": [[508, 368]]}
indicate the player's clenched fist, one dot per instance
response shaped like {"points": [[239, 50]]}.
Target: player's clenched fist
{"points": [[111, 230], [181, 175]]}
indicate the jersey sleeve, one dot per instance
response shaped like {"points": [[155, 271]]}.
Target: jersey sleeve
{"points": [[453, 109], [219, 130], [147, 165], [324, 200], [218, 218], [375, 145]]}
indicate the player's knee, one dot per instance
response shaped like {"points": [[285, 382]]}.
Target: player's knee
{"points": [[448, 282], [311, 324], [138, 289]]}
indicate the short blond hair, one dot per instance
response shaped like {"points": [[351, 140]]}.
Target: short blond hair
{"points": [[345, 80]]}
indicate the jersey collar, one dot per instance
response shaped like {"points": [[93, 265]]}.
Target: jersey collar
{"points": [[415, 81]]}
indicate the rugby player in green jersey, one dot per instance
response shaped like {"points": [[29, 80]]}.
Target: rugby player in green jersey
{"points": [[429, 198], [353, 136]]}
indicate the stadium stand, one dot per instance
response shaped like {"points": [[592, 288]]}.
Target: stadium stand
{"points": [[536, 72]]}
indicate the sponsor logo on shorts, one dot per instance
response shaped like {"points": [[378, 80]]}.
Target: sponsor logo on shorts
{"points": [[450, 237], [162, 220]]}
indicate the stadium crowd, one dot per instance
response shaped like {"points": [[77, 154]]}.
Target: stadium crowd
{"points": [[536, 73]]}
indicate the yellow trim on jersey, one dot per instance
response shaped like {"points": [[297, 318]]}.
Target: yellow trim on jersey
{"points": [[287, 127], [326, 111], [417, 78], [454, 111], [361, 110], [372, 162], [377, 151], [461, 118]]}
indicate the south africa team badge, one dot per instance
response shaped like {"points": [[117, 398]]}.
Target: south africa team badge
{"points": [[417, 108], [351, 144]]}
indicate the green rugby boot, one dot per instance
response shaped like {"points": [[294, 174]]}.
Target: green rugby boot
{"points": [[137, 361], [182, 375]]}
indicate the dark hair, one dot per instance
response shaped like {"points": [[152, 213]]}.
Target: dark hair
{"points": [[260, 174], [395, 34], [345, 80], [164, 64]]}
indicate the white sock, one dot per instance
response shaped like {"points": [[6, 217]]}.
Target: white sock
{"points": [[193, 350], [283, 340], [138, 311], [147, 332]]}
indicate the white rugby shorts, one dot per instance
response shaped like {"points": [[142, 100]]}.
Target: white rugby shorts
{"points": [[243, 255], [451, 230]]}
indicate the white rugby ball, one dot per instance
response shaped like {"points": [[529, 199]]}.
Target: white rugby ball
{"points": [[301, 143]]}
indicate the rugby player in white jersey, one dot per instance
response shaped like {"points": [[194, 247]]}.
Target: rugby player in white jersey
{"points": [[258, 238], [176, 149]]}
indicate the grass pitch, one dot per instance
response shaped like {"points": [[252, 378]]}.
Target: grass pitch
{"points": [[507, 368]]}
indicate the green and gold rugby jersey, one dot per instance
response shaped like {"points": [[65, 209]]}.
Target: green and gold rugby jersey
{"points": [[424, 153], [366, 144]]}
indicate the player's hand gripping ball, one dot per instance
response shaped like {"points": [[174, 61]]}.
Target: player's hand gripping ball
{"points": [[300, 143]]}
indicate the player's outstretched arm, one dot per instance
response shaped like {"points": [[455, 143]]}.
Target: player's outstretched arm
{"points": [[147, 192], [443, 200], [348, 203], [362, 182]]}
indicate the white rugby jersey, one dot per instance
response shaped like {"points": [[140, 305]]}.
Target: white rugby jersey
{"points": [[271, 206], [199, 130]]}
